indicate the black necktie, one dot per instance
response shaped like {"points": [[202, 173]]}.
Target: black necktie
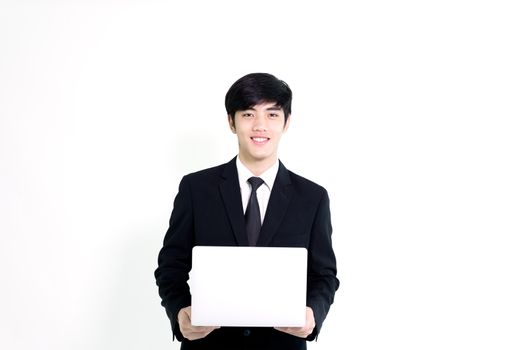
{"points": [[252, 213]]}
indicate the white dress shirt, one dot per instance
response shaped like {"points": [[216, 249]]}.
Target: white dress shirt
{"points": [[263, 192]]}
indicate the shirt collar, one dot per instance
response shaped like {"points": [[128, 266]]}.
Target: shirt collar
{"points": [[268, 176]]}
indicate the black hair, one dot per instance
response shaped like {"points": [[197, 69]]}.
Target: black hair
{"points": [[256, 88]]}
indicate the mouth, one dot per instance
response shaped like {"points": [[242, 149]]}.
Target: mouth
{"points": [[260, 140]]}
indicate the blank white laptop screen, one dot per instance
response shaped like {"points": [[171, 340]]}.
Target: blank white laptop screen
{"points": [[248, 286]]}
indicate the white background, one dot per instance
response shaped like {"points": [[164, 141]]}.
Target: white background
{"points": [[398, 111]]}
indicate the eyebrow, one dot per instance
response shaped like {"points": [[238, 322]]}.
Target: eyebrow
{"points": [[273, 108]]}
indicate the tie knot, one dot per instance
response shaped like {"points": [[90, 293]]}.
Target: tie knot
{"points": [[255, 182]]}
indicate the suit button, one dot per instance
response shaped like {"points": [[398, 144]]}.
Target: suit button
{"points": [[247, 332]]}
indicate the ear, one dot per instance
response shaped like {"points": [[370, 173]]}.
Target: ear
{"points": [[232, 124], [286, 124]]}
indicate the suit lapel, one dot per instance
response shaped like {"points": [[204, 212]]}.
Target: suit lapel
{"points": [[230, 192], [277, 206]]}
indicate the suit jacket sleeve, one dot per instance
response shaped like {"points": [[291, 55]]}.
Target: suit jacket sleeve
{"points": [[174, 260], [321, 280]]}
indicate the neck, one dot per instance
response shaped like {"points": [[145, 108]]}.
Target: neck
{"points": [[258, 167]]}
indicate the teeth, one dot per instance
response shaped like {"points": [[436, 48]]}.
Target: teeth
{"points": [[260, 139]]}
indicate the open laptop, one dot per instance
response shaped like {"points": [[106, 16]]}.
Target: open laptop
{"points": [[248, 286]]}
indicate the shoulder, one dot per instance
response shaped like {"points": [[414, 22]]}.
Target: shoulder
{"points": [[215, 171], [210, 175], [309, 193], [306, 186]]}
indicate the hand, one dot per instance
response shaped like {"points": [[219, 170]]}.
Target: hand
{"points": [[189, 331], [302, 332]]}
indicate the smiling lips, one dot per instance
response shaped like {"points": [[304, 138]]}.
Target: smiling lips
{"points": [[260, 140]]}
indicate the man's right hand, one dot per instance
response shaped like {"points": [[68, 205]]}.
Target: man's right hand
{"points": [[189, 331]]}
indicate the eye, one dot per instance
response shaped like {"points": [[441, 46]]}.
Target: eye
{"points": [[247, 115], [273, 115]]}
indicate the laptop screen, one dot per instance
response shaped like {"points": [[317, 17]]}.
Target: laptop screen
{"points": [[248, 286]]}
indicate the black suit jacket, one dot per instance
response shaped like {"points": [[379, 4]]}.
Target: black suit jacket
{"points": [[208, 211]]}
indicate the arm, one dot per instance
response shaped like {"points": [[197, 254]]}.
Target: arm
{"points": [[322, 269], [174, 260]]}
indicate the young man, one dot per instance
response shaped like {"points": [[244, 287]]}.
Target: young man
{"points": [[251, 200]]}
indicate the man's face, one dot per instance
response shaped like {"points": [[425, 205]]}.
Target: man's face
{"points": [[259, 130]]}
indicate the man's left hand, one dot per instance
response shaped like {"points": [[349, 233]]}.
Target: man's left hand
{"points": [[302, 332]]}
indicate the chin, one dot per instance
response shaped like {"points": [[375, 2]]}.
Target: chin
{"points": [[260, 158]]}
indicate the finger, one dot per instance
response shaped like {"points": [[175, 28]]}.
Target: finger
{"points": [[194, 335], [198, 330], [284, 329], [301, 332], [199, 333]]}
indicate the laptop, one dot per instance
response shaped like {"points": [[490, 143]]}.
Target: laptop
{"points": [[248, 286]]}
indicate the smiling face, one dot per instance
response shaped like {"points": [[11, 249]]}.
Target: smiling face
{"points": [[259, 130]]}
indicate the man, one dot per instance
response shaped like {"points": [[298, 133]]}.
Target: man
{"points": [[251, 200]]}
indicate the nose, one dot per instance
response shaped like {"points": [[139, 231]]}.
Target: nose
{"points": [[260, 124]]}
